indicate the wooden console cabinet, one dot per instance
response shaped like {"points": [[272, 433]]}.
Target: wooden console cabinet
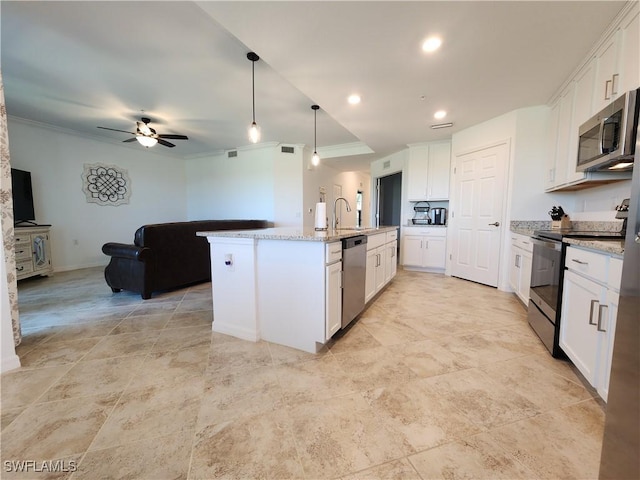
{"points": [[33, 251]]}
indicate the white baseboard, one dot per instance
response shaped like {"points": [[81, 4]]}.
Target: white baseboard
{"points": [[11, 362]]}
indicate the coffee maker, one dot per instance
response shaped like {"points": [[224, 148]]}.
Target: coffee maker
{"points": [[438, 216]]}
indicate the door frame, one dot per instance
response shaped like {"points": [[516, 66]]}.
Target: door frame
{"points": [[503, 273]]}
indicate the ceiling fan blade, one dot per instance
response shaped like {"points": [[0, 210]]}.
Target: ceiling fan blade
{"points": [[116, 130], [129, 140], [174, 137], [165, 143]]}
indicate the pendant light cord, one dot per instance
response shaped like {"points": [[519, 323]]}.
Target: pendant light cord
{"points": [[253, 88]]}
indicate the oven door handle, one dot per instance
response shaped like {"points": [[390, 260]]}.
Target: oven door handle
{"points": [[547, 244]]}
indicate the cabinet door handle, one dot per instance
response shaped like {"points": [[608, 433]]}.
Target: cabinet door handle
{"points": [[518, 261], [614, 84], [593, 307], [606, 90], [494, 224], [600, 315], [580, 262]]}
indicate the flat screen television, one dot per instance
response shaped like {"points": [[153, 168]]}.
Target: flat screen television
{"points": [[22, 196]]}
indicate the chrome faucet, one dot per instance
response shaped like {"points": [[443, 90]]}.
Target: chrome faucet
{"points": [[335, 217]]}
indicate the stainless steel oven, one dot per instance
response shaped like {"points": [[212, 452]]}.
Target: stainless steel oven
{"points": [[547, 275], [545, 291]]}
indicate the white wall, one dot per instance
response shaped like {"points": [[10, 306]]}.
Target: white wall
{"points": [[56, 159], [260, 183]]}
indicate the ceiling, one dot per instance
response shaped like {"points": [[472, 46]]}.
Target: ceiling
{"points": [[79, 65]]}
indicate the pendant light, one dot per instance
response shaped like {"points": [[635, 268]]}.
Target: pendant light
{"points": [[254, 130], [315, 159]]}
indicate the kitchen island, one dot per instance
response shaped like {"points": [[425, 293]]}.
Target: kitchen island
{"points": [[283, 285]]}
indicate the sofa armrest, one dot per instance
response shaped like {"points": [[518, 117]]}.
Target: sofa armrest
{"points": [[124, 250]]}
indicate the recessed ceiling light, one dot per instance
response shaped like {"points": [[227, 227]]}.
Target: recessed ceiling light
{"points": [[440, 114], [431, 44], [354, 99]]}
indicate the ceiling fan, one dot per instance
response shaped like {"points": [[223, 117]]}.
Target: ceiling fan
{"points": [[147, 136]]}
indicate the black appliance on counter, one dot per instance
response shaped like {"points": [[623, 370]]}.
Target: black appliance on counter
{"points": [[547, 275]]}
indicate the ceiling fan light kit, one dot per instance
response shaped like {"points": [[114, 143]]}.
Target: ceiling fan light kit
{"points": [[147, 136], [254, 130], [146, 141]]}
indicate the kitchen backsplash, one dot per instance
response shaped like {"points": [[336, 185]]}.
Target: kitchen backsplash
{"points": [[598, 226]]}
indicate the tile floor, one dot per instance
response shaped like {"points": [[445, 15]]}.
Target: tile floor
{"points": [[439, 378]]}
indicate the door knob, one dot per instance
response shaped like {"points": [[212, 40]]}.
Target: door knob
{"points": [[495, 224]]}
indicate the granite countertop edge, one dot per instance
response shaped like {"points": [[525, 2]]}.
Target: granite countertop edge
{"points": [[307, 234], [613, 246]]}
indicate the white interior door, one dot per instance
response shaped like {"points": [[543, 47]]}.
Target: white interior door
{"points": [[479, 185]]}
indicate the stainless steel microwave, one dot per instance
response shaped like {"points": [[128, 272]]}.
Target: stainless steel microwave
{"points": [[607, 140]]}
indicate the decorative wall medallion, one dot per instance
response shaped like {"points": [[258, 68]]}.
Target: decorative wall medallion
{"points": [[106, 184]]}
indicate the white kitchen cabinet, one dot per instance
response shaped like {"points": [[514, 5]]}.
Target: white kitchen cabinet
{"points": [[380, 265], [606, 351], [428, 171], [438, 171], [610, 70], [521, 263], [589, 309], [333, 288], [607, 77], [424, 248], [617, 60], [579, 337], [333, 298], [629, 48], [33, 251], [391, 260]]}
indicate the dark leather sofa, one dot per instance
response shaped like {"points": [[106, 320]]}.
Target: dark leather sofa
{"points": [[165, 256]]}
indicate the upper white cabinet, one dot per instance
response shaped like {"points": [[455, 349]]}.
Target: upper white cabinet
{"points": [[629, 42], [428, 171], [611, 70], [617, 61], [608, 75]]}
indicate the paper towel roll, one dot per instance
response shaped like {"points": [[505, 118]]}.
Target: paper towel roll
{"points": [[321, 216]]}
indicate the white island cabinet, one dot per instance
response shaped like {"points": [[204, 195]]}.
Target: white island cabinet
{"points": [[282, 285]]}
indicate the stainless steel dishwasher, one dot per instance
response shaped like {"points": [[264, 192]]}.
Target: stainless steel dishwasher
{"points": [[354, 264]]}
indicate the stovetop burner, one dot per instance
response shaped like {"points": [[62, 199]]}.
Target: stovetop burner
{"points": [[561, 233]]}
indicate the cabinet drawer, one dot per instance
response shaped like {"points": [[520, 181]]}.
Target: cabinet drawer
{"points": [[374, 241], [522, 241], [615, 274], [24, 266], [428, 232], [391, 236], [590, 264], [23, 251], [21, 238], [333, 252]]}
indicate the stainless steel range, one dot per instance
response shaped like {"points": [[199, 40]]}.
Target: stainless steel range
{"points": [[547, 275]]}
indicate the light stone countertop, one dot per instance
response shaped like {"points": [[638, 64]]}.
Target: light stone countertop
{"points": [[308, 234], [612, 246]]}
